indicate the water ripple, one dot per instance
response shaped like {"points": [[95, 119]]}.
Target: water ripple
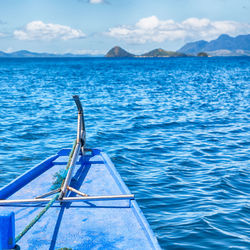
{"points": [[176, 129]]}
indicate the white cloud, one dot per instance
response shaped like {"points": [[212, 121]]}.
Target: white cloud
{"points": [[96, 1], [148, 23], [151, 29], [2, 34], [37, 30]]}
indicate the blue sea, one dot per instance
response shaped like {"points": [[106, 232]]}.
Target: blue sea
{"points": [[177, 130]]}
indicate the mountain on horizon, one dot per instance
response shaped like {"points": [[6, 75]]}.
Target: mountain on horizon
{"points": [[29, 54], [224, 44], [118, 52], [162, 53]]}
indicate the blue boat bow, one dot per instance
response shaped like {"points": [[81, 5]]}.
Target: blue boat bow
{"points": [[75, 200]]}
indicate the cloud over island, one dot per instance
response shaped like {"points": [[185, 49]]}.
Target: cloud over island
{"points": [[38, 30], [152, 29]]}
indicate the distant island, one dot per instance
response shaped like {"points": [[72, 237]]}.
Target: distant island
{"points": [[162, 53], [29, 54], [202, 54], [120, 52], [224, 45]]}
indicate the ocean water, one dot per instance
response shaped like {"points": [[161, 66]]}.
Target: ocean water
{"points": [[177, 130]]}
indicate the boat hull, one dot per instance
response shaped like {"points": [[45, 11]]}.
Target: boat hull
{"points": [[94, 224]]}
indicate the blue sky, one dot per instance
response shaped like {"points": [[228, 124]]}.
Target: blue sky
{"points": [[94, 26]]}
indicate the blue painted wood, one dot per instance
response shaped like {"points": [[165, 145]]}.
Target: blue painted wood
{"points": [[113, 224], [7, 230], [25, 178]]}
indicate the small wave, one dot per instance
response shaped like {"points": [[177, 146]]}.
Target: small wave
{"points": [[177, 131]]}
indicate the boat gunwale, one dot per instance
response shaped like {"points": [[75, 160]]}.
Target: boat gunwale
{"points": [[29, 175], [133, 204], [32, 173]]}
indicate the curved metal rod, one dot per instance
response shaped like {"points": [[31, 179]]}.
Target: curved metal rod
{"points": [[81, 132], [80, 143], [78, 103]]}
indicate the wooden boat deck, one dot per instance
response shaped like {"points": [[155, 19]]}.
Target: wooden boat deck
{"points": [[113, 224]]}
